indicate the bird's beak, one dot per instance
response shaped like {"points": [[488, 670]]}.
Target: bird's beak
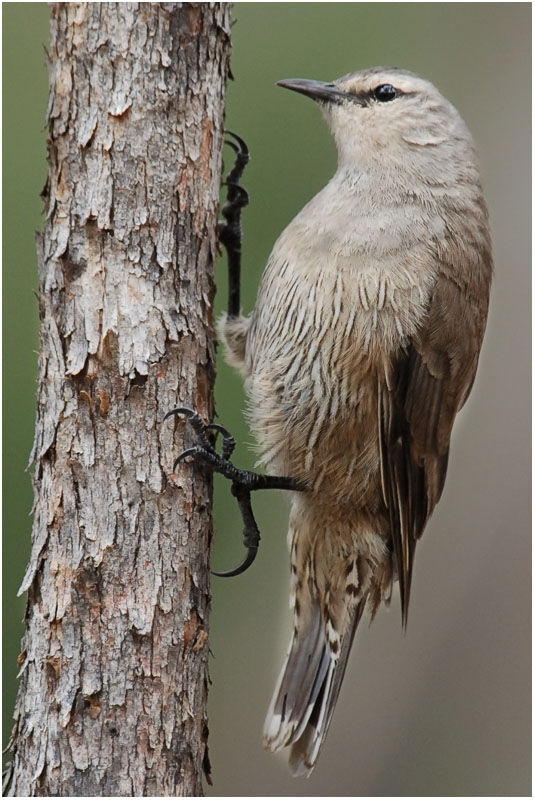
{"points": [[317, 90]]}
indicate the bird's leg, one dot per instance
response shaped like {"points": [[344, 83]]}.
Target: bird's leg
{"points": [[243, 481], [229, 229]]}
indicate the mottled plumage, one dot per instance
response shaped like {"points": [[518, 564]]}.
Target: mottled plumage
{"points": [[361, 349]]}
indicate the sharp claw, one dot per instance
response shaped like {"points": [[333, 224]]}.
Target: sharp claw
{"points": [[215, 426], [229, 443], [191, 451], [195, 420], [246, 563], [188, 412], [242, 156], [243, 147], [200, 428]]}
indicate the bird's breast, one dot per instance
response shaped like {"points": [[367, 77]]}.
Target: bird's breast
{"points": [[316, 342], [331, 313], [339, 311]]}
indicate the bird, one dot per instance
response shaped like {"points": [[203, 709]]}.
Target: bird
{"points": [[362, 347]]}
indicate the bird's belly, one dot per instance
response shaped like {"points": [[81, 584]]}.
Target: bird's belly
{"points": [[315, 349], [317, 422]]}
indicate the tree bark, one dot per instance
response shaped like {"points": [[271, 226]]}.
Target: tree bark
{"points": [[114, 668]]}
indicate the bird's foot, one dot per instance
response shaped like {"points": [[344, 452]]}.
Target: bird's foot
{"points": [[243, 481], [229, 228]]}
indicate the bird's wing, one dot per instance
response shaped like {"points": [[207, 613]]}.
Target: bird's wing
{"points": [[420, 393]]}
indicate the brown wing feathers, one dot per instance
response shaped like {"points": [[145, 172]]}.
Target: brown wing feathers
{"points": [[419, 396]]}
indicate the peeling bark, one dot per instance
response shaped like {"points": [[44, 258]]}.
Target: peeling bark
{"points": [[114, 668]]}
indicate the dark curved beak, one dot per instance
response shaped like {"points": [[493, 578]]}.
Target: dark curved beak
{"points": [[317, 90]]}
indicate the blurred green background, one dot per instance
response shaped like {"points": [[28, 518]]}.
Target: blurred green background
{"points": [[444, 709]]}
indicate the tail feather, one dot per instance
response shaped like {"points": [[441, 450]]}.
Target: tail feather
{"points": [[299, 685], [307, 691]]}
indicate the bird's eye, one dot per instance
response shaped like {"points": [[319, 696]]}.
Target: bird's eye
{"points": [[384, 93]]}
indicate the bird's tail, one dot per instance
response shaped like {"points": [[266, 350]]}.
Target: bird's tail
{"points": [[307, 690]]}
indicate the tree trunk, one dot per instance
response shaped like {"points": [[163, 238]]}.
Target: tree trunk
{"points": [[114, 668]]}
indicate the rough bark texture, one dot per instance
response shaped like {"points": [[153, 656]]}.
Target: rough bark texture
{"points": [[114, 663]]}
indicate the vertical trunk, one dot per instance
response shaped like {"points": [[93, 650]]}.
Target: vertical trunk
{"points": [[112, 698]]}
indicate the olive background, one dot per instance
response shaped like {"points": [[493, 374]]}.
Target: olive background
{"points": [[445, 708]]}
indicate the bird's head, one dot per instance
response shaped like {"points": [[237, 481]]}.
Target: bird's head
{"points": [[386, 113]]}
